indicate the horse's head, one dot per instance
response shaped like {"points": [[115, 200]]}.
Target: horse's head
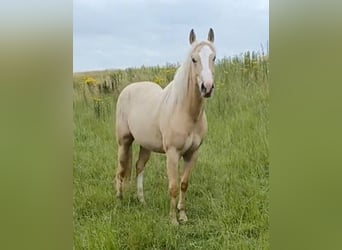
{"points": [[203, 56]]}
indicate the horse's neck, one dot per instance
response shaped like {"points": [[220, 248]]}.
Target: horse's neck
{"points": [[194, 103], [190, 101]]}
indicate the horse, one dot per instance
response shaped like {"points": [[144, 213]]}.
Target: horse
{"points": [[171, 121]]}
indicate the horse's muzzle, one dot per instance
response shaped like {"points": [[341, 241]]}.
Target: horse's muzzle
{"points": [[206, 92]]}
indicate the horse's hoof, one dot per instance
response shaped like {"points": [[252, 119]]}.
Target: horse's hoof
{"points": [[182, 217], [142, 201], [174, 221], [119, 196]]}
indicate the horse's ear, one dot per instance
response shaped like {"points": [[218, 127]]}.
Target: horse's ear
{"points": [[211, 35], [192, 36]]}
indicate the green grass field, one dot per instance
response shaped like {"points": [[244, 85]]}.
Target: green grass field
{"points": [[228, 194]]}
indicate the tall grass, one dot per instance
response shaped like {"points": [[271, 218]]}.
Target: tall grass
{"points": [[228, 194]]}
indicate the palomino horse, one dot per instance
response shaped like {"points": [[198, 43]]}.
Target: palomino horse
{"points": [[170, 120]]}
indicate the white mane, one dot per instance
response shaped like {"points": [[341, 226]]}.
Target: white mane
{"points": [[179, 84]]}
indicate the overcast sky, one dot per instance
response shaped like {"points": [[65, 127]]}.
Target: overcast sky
{"points": [[111, 34]]}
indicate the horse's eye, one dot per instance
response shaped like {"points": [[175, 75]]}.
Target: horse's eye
{"points": [[193, 60], [214, 58]]}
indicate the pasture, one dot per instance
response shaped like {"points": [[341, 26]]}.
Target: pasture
{"points": [[228, 194]]}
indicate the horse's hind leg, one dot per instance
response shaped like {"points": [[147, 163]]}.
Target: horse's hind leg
{"points": [[124, 162], [144, 155]]}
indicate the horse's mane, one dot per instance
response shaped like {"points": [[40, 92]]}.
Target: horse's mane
{"points": [[179, 84]]}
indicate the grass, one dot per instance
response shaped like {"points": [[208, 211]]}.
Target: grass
{"points": [[228, 194]]}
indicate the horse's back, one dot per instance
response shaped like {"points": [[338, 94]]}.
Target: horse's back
{"points": [[136, 86], [139, 95]]}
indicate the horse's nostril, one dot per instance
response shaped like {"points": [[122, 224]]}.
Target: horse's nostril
{"points": [[202, 86]]}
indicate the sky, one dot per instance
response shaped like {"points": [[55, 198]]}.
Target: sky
{"points": [[118, 34]]}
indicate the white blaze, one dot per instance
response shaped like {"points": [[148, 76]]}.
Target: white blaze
{"points": [[207, 77]]}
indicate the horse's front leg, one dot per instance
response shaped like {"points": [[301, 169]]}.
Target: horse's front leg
{"points": [[172, 172], [189, 162]]}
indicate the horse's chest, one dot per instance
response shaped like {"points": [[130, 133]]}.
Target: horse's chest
{"points": [[185, 137], [192, 142]]}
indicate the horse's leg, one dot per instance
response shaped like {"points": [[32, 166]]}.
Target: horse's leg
{"points": [[172, 172], [124, 162], [144, 155], [189, 160]]}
